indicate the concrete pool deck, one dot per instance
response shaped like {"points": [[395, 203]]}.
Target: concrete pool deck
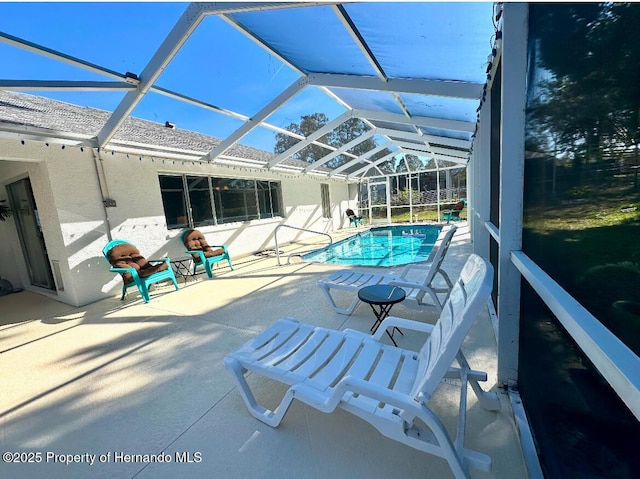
{"points": [[126, 378]]}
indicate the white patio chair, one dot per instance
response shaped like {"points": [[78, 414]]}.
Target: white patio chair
{"points": [[386, 386], [351, 281]]}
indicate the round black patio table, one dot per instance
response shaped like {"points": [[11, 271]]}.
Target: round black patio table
{"points": [[382, 296]]}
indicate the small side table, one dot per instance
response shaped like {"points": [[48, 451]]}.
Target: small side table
{"points": [[384, 297], [182, 267]]}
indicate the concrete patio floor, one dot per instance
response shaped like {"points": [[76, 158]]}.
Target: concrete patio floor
{"points": [[115, 378]]}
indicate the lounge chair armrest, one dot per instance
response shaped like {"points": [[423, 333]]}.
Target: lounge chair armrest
{"points": [[198, 252], [391, 322], [357, 333], [328, 402], [160, 260], [423, 266], [395, 322], [406, 284], [223, 246], [201, 253], [450, 212], [133, 271]]}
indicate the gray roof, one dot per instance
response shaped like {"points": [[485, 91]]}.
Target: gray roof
{"points": [[40, 112]]}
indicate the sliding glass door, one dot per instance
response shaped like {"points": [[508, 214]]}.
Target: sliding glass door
{"points": [[25, 213]]}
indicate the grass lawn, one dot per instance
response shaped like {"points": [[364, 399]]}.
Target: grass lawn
{"points": [[420, 214], [591, 247]]}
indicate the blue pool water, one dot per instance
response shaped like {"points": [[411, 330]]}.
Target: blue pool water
{"points": [[385, 246]]}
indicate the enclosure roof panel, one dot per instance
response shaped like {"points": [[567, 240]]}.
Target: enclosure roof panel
{"points": [[239, 79]]}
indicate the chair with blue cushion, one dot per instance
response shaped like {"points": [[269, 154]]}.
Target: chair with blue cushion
{"points": [[204, 254], [135, 269]]}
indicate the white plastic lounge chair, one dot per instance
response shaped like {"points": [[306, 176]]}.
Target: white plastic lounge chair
{"points": [[386, 386], [352, 280]]}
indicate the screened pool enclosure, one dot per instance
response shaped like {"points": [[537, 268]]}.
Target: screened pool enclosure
{"points": [[412, 197], [241, 117], [357, 92]]}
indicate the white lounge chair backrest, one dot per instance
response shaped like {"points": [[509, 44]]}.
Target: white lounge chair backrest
{"points": [[458, 313], [437, 256]]}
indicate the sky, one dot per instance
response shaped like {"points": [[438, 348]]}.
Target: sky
{"points": [[221, 66], [217, 65]]}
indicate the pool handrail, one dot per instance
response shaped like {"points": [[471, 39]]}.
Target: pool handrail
{"points": [[275, 237]]}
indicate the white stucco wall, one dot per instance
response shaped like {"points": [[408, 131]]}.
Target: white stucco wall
{"points": [[32, 160], [76, 225]]}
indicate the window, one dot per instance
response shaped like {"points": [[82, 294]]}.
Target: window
{"points": [[235, 200], [193, 201], [200, 200], [174, 201], [268, 199], [326, 200]]}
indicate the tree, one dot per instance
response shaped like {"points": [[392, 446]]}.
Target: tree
{"points": [[339, 136], [415, 163], [308, 124], [589, 106]]}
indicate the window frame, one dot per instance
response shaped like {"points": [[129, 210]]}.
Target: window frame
{"points": [[276, 208]]}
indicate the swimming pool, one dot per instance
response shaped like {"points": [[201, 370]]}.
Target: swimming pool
{"points": [[384, 246]]}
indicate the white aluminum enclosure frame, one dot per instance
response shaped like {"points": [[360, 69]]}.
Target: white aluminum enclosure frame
{"points": [[137, 86]]}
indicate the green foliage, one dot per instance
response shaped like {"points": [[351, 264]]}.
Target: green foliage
{"points": [[587, 108], [403, 196], [308, 124]]}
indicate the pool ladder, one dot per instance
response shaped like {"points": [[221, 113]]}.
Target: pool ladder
{"points": [[275, 236]]}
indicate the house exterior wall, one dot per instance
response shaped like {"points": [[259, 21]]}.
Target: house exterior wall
{"points": [[32, 161], [76, 226]]}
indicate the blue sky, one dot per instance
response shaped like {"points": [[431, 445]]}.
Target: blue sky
{"points": [[217, 65], [221, 66]]}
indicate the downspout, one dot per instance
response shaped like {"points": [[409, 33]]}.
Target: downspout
{"points": [[104, 191]]}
